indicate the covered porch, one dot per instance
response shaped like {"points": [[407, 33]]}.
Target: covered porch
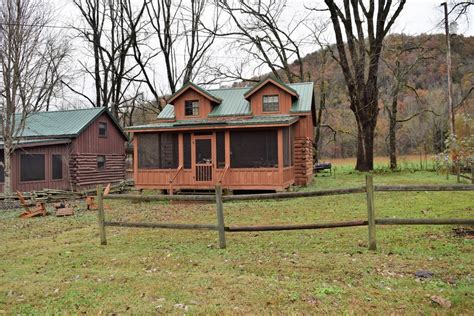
{"points": [[251, 158]]}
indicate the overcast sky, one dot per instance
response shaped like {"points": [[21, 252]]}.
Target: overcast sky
{"points": [[418, 16]]}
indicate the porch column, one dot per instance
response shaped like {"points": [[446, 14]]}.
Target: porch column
{"points": [[180, 150], [227, 148], [280, 154], [135, 158]]}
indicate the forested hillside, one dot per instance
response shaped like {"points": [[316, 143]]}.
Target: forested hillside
{"points": [[422, 100]]}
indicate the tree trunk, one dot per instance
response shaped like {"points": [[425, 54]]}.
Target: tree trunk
{"points": [[7, 184], [393, 133], [365, 146]]}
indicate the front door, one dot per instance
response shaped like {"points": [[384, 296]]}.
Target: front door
{"points": [[203, 164]]}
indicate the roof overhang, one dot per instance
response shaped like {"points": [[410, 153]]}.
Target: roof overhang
{"points": [[28, 143], [273, 81], [195, 88], [212, 125]]}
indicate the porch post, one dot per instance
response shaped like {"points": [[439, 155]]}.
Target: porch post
{"points": [[280, 155], [180, 149], [227, 148]]}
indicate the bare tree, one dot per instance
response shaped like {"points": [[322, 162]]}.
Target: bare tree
{"points": [[109, 30], [401, 57], [461, 8], [360, 30], [180, 32], [261, 34], [31, 58]]}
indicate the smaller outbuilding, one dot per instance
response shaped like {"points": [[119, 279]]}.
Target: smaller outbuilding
{"points": [[67, 150]]}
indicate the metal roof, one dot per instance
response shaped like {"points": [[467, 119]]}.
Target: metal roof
{"points": [[257, 120], [234, 103], [39, 142], [68, 123]]}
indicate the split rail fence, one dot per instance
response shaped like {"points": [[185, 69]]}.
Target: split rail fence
{"points": [[222, 229]]}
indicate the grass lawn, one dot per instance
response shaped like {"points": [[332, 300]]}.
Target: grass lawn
{"points": [[51, 265]]}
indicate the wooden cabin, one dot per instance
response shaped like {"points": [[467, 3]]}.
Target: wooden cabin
{"points": [[67, 150], [258, 138]]}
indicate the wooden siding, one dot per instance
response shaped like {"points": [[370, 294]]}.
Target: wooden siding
{"points": [[84, 172], [89, 140], [49, 183], [284, 98], [85, 149], [204, 105], [237, 178]]}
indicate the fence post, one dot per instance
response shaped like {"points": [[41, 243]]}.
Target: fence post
{"points": [[101, 214], [369, 185], [220, 217]]}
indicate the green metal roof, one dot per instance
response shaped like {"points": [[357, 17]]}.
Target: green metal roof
{"points": [[40, 141], [257, 120], [234, 103], [60, 124]]}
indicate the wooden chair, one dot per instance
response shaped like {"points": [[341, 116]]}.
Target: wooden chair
{"points": [[90, 200], [40, 208]]}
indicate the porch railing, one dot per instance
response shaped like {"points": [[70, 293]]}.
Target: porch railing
{"points": [[174, 178], [224, 173]]}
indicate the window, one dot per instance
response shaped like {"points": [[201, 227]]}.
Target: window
{"points": [[270, 103], [31, 167], [220, 149], [187, 150], [191, 108], [100, 162], [287, 146], [254, 149], [57, 166], [102, 129], [157, 150]]}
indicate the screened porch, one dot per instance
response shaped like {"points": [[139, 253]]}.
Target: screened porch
{"points": [[253, 159]]}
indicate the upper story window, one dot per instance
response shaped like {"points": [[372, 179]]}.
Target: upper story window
{"points": [[270, 103], [102, 129], [191, 108]]}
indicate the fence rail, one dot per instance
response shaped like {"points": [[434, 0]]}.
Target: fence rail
{"points": [[220, 227]]}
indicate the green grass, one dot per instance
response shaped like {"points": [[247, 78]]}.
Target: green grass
{"points": [[55, 265]]}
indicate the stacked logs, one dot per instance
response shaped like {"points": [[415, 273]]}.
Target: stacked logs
{"points": [[303, 160], [84, 172]]}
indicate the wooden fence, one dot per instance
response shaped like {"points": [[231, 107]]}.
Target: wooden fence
{"points": [[222, 229]]}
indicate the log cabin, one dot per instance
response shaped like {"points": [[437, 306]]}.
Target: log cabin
{"points": [[258, 138], [67, 150]]}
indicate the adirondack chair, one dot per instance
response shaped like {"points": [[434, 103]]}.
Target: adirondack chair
{"points": [[90, 200], [40, 208]]}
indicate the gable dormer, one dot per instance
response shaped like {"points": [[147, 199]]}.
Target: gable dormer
{"points": [[192, 102], [270, 97]]}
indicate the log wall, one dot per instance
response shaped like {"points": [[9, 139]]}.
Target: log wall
{"points": [[303, 160], [84, 172]]}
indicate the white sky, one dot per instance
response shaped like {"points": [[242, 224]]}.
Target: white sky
{"points": [[418, 16]]}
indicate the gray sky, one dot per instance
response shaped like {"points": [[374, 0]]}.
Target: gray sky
{"points": [[418, 16]]}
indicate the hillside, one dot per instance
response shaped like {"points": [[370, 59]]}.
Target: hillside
{"points": [[425, 131]]}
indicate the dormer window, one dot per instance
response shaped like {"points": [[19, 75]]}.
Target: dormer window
{"points": [[191, 108], [270, 103]]}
